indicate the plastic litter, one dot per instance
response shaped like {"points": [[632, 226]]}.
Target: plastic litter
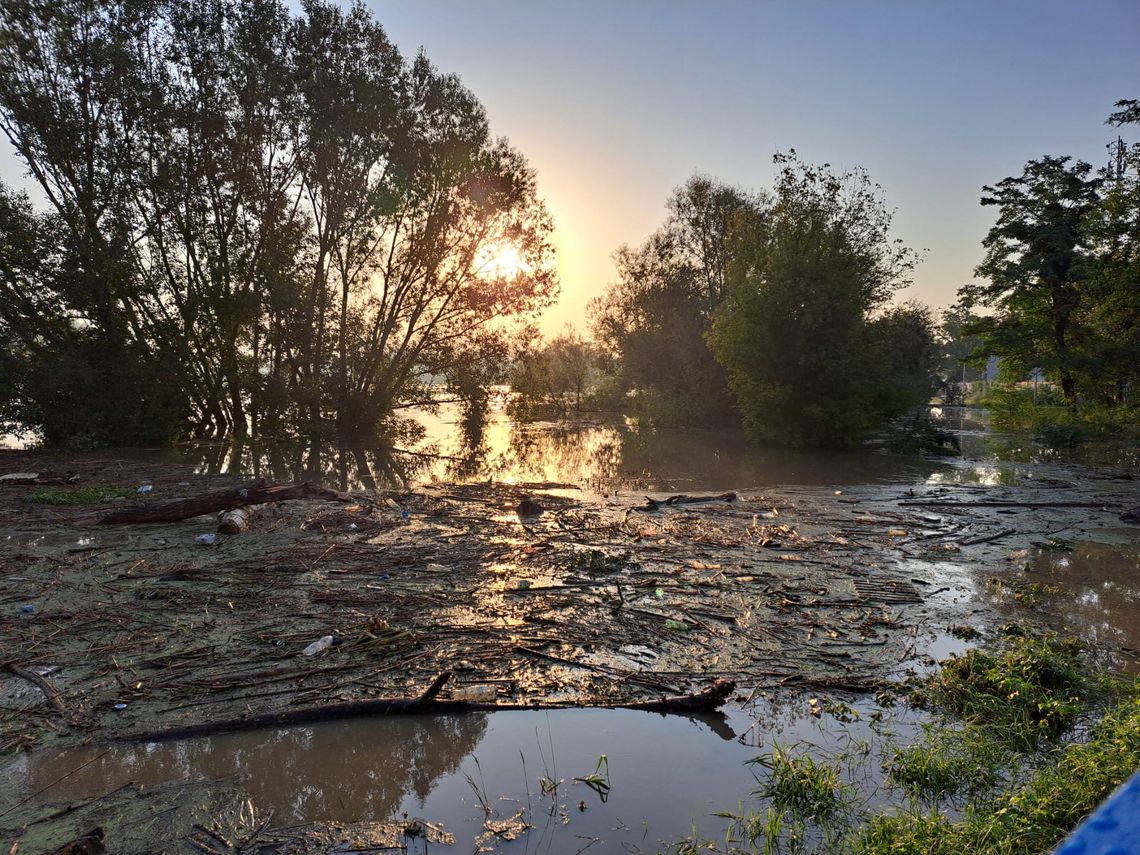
{"points": [[120, 706], [28, 609], [480, 694], [206, 538], [324, 643], [144, 488], [676, 625]]}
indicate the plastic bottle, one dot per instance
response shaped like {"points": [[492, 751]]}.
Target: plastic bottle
{"points": [[316, 647]]}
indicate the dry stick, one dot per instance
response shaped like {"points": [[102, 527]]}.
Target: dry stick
{"points": [[708, 699], [253, 493], [997, 504], [974, 541], [43, 685]]}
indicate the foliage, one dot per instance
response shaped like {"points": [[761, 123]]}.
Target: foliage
{"points": [[654, 320], [959, 352], [948, 761], [1060, 272], [813, 356], [256, 221], [557, 378], [1030, 690]]}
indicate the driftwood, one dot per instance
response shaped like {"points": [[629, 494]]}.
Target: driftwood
{"points": [[990, 538], [23, 478], [235, 521], [997, 504], [706, 700], [254, 493], [43, 685], [654, 504]]}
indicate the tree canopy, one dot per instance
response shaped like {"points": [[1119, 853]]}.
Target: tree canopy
{"points": [[254, 220]]}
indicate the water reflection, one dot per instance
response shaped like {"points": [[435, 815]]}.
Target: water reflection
{"points": [[1099, 591], [599, 456], [355, 770]]}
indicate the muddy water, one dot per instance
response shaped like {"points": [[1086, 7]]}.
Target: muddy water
{"points": [[1097, 594], [596, 456], [667, 775]]}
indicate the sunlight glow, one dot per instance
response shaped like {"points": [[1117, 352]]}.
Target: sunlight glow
{"points": [[502, 261]]}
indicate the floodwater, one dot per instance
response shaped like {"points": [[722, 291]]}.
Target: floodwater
{"points": [[667, 775], [1098, 592], [602, 456]]}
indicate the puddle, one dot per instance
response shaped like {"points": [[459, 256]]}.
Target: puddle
{"points": [[1098, 594], [668, 774]]}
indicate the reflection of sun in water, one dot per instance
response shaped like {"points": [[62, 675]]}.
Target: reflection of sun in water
{"points": [[502, 261]]}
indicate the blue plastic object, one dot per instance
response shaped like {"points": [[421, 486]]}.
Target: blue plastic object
{"points": [[1113, 829]]}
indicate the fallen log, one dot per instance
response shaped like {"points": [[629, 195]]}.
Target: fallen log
{"points": [[996, 504], [654, 504], [253, 493], [706, 700], [23, 478]]}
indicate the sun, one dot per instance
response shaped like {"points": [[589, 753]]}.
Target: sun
{"points": [[502, 261]]}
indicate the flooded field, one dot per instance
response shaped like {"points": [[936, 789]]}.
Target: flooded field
{"points": [[816, 587]]}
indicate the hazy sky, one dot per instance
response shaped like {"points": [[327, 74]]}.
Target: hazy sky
{"points": [[615, 103]]}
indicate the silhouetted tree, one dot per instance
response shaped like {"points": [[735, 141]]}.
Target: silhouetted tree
{"points": [[654, 320]]}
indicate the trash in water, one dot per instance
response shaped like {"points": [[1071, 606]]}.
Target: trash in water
{"points": [[206, 538], [120, 706], [676, 625], [28, 609], [144, 488]]}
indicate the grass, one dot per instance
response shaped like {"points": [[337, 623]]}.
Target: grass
{"points": [[1032, 689], [1026, 742], [92, 494]]}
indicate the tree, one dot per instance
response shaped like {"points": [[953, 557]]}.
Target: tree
{"points": [[655, 319], [1036, 267], [1112, 310], [556, 377], [275, 218], [808, 350]]}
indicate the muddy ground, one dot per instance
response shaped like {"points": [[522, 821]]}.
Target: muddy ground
{"points": [[597, 600]]}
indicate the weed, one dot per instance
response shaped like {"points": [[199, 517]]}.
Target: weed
{"points": [[801, 787], [1030, 690], [950, 761]]}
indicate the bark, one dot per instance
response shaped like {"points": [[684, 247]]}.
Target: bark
{"points": [[706, 700], [253, 493]]}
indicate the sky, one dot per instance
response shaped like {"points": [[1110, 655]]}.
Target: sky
{"points": [[616, 102]]}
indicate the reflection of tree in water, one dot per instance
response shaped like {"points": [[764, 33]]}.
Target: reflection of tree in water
{"points": [[586, 454], [350, 771], [347, 464]]}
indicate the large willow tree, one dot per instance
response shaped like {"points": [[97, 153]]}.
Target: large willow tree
{"points": [[251, 220]]}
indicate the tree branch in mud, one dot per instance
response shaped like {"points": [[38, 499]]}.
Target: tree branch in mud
{"points": [[44, 686], [706, 700], [253, 493]]}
